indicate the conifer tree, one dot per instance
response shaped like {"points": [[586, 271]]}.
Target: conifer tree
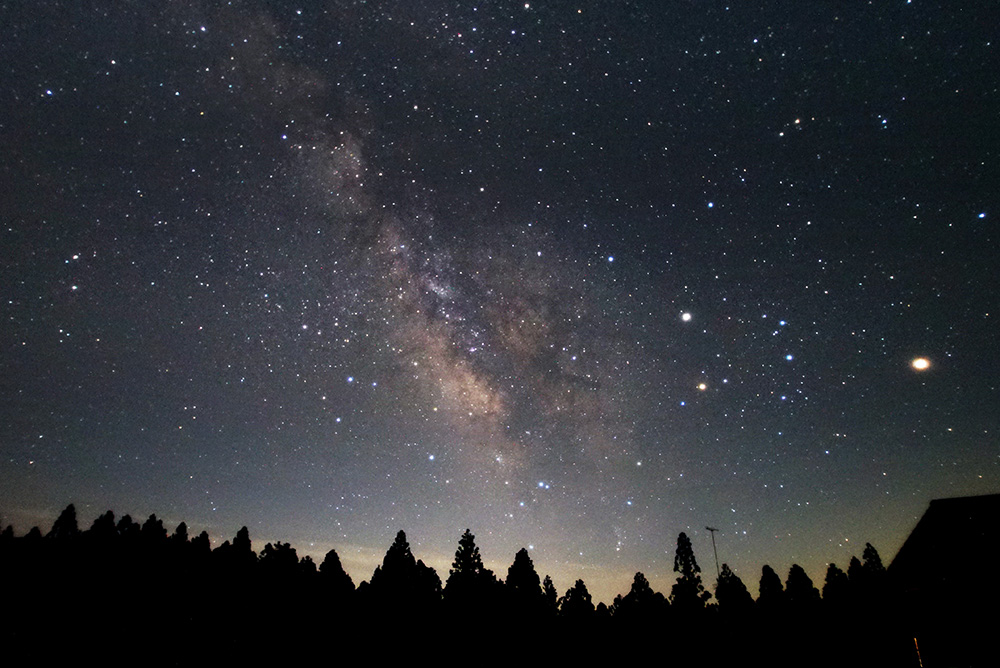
{"points": [[640, 603], [836, 589], [333, 575], [521, 576], [731, 593], [403, 581], [688, 593], [800, 593], [469, 583], [771, 594], [577, 604], [549, 595], [65, 526]]}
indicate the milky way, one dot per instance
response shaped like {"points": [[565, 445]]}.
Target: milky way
{"points": [[578, 278]]}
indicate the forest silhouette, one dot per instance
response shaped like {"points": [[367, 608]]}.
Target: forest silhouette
{"points": [[136, 593]]}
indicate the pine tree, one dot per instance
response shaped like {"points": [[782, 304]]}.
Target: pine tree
{"points": [[523, 586], [65, 526], [731, 593], [872, 562], [550, 597], [577, 604], [800, 593], [334, 577], [469, 583], [521, 576], [771, 596], [180, 534], [640, 603], [688, 594], [836, 589], [403, 582]]}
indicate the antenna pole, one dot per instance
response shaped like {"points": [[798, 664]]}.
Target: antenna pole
{"points": [[718, 573]]}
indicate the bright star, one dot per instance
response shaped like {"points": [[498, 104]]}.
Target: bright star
{"points": [[921, 364]]}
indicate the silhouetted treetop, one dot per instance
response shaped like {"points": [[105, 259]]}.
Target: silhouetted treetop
{"points": [[688, 593], [799, 590], [104, 526], [731, 593], [771, 594], [550, 597], [469, 581], [333, 574], [521, 576], [872, 560], [404, 580], [577, 603], [153, 530], [180, 534], [836, 589], [65, 525]]}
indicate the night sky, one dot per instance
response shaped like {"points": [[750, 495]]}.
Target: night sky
{"points": [[576, 276]]}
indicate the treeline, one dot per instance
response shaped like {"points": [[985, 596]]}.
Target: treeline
{"points": [[133, 584]]}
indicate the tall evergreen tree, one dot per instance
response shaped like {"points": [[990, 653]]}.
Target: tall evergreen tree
{"points": [[470, 583], [402, 581], [103, 528], [800, 593], [732, 594], [65, 526], [333, 576], [641, 602], [201, 544], [153, 532], [688, 593], [836, 589], [278, 561], [577, 604], [180, 534], [521, 576], [872, 566], [550, 597], [523, 586], [771, 594]]}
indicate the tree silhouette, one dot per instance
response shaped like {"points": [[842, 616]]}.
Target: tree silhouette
{"points": [[103, 528], [201, 544], [732, 594], [402, 581], [577, 604], [869, 580], [278, 561], [641, 603], [523, 585], [771, 595], [242, 545], [522, 577], [127, 529], [688, 594], [307, 567], [872, 561], [550, 597], [836, 589], [180, 534], [153, 531], [800, 593], [334, 577], [470, 584], [65, 526]]}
